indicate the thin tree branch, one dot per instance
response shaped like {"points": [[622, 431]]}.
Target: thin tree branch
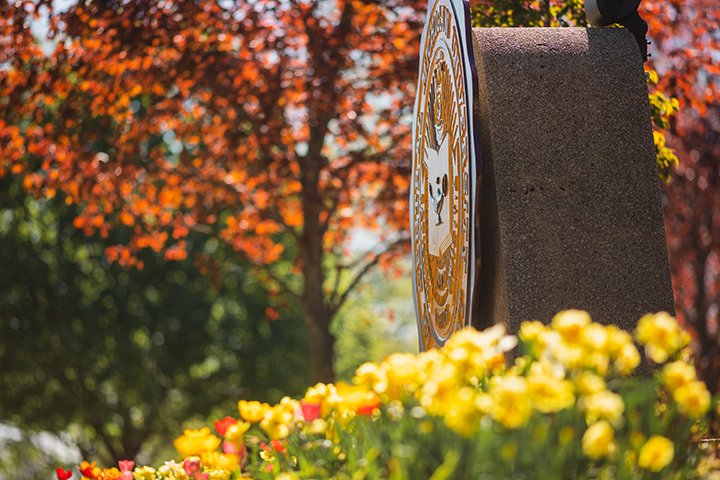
{"points": [[283, 284], [338, 299]]}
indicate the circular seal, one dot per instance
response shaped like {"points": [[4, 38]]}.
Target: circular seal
{"points": [[442, 195]]}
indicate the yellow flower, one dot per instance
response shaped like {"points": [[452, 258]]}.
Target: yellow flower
{"points": [[290, 405], [219, 474], [109, 474], [677, 374], [144, 473], [570, 355], [476, 353], [604, 405], [236, 431], [570, 325], [219, 461], [171, 471], [402, 374], [371, 375], [356, 399], [627, 359], [317, 393], [595, 337], [597, 361], [90, 468], [484, 403], [316, 427], [547, 392], [322, 394], [438, 391], [537, 335], [461, 415], [617, 339], [194, 442], [599, 440], [511, 407], [277, 422], [661, 335], [656, 454], [588, 383], [252, 411], [693, 399]]}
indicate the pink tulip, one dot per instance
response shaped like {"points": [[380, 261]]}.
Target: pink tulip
{"points": [[191, 465]]}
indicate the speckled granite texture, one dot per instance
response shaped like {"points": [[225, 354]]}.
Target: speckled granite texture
{"points": [[570, 208]]}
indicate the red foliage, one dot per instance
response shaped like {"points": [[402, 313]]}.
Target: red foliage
{"points": [[686, 45], [156, 116]]}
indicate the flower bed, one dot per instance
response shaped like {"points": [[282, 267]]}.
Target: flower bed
{"points": [[566, 406]]}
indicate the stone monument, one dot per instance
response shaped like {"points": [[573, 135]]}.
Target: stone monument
{"points": [[534, 185]]}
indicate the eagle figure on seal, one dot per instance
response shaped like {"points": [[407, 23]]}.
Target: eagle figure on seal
{"points": [[437, 145]]}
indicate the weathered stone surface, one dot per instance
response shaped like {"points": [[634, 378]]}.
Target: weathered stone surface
{"points": [[570, 208]]}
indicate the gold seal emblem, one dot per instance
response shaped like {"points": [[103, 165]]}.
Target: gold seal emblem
{"points": [[443, 176]]}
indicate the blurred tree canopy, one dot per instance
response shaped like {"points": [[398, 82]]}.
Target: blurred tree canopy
{"points": [[277, 127], [119, 355]]}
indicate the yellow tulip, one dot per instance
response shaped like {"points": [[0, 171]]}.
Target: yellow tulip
{"points": [[402, 374], [548, 393], [461, 415], [588, 383], [252, 411], [661, 335], [627, 359], [194, 442], [537, 334], [144, 473], [570, 325], [277, 423], [236, 431], [219, 461], [656, 454], [372, 376], [599, 440], [604, 405], [693, 399], [677, 374], [512, 407]]}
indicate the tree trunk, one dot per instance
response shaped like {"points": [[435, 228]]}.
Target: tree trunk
{"points": [[316, 313], [321, 342]]}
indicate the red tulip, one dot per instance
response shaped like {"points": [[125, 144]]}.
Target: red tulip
{"points": [[278, 446], [310, 411], [367, 409], [63, 474], [222, 425]]}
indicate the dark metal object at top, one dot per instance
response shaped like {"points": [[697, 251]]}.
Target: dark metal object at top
{"points": [[606, 12]]}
